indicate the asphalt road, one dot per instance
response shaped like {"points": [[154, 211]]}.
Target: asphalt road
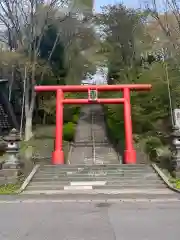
{"points": [[89, 221]]}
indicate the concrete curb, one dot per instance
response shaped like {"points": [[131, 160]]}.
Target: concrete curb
{"points": [[164, 178], [28, 179], [70, 153]]}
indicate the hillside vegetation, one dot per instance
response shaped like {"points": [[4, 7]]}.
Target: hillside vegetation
{"points": [[141, 55]]}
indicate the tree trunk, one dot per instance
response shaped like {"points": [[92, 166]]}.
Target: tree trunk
{"points": [[29, 110], [28, 127], [44, 118]]}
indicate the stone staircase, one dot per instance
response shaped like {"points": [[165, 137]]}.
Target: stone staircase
{"points": [[94, 169], [132, 181], [91, 145]]}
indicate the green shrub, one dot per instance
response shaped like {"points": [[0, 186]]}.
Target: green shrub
{"points": [[152, 146], [163, 158], [69, 112], [75, 118], [68, 131], [76, 110], [152, 143], [175, 182]]}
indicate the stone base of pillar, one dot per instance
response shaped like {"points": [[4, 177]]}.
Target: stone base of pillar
{"points": [[11, 162], [58, 157], [130, 156]]}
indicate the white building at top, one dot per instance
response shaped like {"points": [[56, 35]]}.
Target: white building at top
{"points": [[100, 77]]}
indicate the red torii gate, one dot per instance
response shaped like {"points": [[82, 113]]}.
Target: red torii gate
{"points": [[130, 152]]}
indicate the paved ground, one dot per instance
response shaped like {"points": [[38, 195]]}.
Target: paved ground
{"points": [[89, 221]]}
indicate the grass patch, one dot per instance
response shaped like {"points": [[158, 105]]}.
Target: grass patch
{"points": [[175, 182], [9, 189], [42, 143]]}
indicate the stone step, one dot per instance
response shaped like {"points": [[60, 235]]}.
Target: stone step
{"points": [[96, 183], [89, 187], [131, 186], [108, 176], [98, 166], [88, 178], [121, 193], [102, 166], [95, 177], [100, 178], [93, 171], [51, 184], [91, 181], [82, 177], [96, 171]]}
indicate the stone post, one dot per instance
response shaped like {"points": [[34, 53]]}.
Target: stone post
{"points": [[12, 149], [175, 157]]}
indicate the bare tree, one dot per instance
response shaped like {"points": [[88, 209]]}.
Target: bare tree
{"points": [[23, 22], [167, 20]]}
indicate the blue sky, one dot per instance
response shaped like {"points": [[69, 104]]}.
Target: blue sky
{"points": [[129, 3]]}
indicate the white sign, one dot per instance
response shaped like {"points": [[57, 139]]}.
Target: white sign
{"points": [[177, 117], [92, 95]]}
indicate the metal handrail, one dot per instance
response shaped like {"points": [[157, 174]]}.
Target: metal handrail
{"points": [[93, 139]]}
